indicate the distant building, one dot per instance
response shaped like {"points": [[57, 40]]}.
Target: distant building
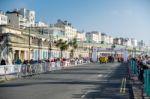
{"points": [[110, 40], [141, 43], [70, 32], [92, 37], [3, 18], [41, 24], [29, 15], [134, 42], [117, 41], [104, 38], [57, 32], [15, 19], [81, 36], [21, 18]]}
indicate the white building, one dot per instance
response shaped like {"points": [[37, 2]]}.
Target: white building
{"points": [[16, 20], [117, 41], [104, 38], [70, 32], [41, 24], [99, 36], [57, 32], [81, 36], [111, 40], [92, 37], [134, 42], [107, 41], [21, 18], [129, 42], [3, 18], [29, 15]]}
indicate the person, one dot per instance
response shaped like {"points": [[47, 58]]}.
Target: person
{"points": [[18, 61], [145, 60], [3, 62]]}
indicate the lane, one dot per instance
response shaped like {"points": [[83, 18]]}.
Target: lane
{"points": [[111, 88], [91, 81]]}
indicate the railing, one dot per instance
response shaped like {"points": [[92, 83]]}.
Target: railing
{"points": [[133, 67], [16, 71], [147, 82], [142, 73]]}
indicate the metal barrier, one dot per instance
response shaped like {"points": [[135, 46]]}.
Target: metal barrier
{"points": [[17, 71], [133, 67], [147, 82]]}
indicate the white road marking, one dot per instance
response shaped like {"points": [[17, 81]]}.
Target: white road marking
{"points": [[83, 96], [100, 75]]}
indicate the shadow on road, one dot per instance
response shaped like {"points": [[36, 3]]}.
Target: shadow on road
{"points": [[111, 88]]}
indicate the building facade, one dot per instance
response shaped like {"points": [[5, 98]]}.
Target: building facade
{"points": [[81, 36], [29, 15], [92, 37], [3, 18], [16, 20]]}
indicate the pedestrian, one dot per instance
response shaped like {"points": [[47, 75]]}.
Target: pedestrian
{"points": [[3, 62], [18, 61]]}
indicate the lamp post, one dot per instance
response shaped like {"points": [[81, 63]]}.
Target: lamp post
{"points": [[113, 46], [29, 43], [7, 48], [89, 51], [50, 45]]}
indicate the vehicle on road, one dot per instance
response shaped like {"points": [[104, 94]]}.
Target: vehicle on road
{"points": [[103, 59]]}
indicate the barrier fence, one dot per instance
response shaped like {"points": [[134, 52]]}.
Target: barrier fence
{"points": [[147, 82], [16, 71], [142, 74], [133, 67]]}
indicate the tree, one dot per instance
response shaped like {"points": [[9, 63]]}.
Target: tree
{"points": [[63, 45], [74, 46]]}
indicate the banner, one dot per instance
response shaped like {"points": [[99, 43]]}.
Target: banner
{"points": [[94, 55]]}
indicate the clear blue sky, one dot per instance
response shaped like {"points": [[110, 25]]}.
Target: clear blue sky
{"points": [[118, 18]]}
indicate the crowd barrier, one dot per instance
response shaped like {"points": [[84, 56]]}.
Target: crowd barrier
{"points": [[147, 82], [133, 67], [143, 75], [23, 70]]}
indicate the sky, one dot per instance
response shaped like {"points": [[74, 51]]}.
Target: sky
{"points": [[118, 18]]}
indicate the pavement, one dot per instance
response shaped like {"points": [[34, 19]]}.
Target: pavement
{"points": [[137, 87], [89, 81]]}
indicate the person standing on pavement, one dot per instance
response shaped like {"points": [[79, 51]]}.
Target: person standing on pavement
{"points": [[3, 62], [18, 61]]}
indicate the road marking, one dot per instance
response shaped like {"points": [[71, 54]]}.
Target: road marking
{"points": [[100, 75], [123, 85], [83, 96], [124, 88]]}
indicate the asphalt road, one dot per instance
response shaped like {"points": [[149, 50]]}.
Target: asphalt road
{"points": [[91, 81]]}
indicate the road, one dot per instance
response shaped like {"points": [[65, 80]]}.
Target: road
{"points": [[90, 81]]}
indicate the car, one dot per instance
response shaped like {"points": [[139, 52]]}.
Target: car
{"points": [[103, 59]]}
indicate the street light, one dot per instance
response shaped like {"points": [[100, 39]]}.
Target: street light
{"points": [[7, 48], [29, 43], [50, 45]]}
